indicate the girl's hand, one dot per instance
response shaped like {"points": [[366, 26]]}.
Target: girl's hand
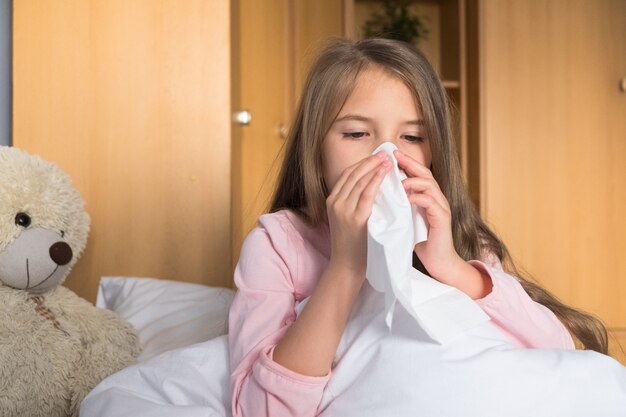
{"points": [[437, 253], [349, 206], [310, 344]]}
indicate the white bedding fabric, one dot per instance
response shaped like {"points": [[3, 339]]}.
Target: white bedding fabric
{"points": [[402, 373], [167, 314], [187, 382]]}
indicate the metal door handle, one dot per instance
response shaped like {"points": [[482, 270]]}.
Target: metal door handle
{"points": [[242, 117]]}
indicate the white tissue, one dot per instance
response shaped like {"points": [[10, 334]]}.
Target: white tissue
{"points": [[394, 228]]}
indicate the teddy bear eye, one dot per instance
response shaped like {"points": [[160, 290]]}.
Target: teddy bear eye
{"points": [[22, 220]]}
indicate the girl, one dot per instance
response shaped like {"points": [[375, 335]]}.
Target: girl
{"points": [[313, 243]]}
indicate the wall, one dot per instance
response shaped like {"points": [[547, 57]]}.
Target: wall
{"points": [[5, 72], [552, 148], [132, 100]]}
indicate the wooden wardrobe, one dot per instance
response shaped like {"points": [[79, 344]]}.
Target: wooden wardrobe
{"points": [[551, 123], [134, 100], [539, 89]]}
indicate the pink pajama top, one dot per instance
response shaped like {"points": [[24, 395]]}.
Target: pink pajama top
{"points": [[281, 261]]}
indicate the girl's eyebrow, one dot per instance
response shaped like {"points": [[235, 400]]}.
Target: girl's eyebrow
{"points": [[353, 117], [359, 118]]}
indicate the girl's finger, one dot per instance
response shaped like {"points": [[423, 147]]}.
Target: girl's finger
{"points": [[436, 214], [367, 185], [368, 194], [411, 166], [354, 173], [428, 186]]}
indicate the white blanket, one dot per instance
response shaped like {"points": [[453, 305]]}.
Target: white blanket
{"points": [[176, 376], [405, 373], [381, 373], [186, 382]]}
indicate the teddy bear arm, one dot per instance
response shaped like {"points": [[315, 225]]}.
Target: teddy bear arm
{"points": [[107, 350], [98, 325], [110, 344], [99, 360]]}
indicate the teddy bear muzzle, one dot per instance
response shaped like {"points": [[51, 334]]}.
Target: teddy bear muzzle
{"points": [[37, 260]]}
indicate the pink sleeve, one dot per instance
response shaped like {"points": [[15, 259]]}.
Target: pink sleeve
{"points": [[262, 311], [528, 324]]}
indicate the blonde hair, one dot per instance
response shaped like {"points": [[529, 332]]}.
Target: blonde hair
{"points": [[301, 188]]}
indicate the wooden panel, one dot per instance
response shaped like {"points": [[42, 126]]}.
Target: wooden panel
{"points": [[553, 150], [132, 99], [276, 41], [315, 22], [261, 60]]}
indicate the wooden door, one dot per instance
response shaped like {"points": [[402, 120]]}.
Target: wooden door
{"points": [[261, 68], [132, 100], [553, 145], [274, 43]]}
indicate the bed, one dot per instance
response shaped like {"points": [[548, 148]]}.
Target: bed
{"points": [[184, 371]]}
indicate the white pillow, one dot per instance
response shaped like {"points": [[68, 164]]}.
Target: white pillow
{"points": [[167, 314]]}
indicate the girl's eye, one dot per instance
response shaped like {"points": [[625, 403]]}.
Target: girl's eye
{"points": [[412, 138], [354, 135]]}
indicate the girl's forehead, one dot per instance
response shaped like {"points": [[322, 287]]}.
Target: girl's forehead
{"points": [[375, 86]]}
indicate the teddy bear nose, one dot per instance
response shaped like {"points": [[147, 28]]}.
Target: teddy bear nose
{"points": [[61, 253]]}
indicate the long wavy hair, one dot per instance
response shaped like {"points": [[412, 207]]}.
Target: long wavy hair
{"points": [[300, 186]]}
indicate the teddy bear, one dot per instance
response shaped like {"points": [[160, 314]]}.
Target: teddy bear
{"points": [[54, 345]]}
